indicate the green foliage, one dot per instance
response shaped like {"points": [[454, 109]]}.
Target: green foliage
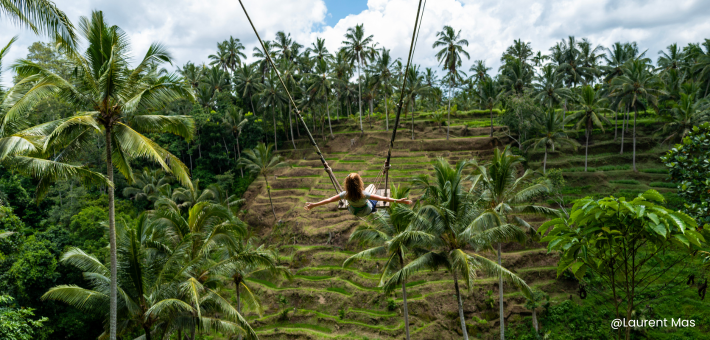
{"points": [[18, 323], [569, 320], [689, 166], [662, 185], [391, 305]]}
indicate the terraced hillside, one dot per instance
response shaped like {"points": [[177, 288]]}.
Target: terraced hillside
{"points": [[325, 301]]}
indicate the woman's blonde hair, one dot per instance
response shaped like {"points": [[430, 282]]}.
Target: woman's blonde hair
{"points": [[354, 187]]}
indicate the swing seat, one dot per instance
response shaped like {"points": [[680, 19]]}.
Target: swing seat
{"points": [[343, 204]]}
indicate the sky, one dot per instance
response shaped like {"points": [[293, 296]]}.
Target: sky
{"points": [[191, 29]]}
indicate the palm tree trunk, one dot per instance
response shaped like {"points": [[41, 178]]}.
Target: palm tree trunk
{"points": [[327, 110], [491, 122], [633, 158], [616, 124], [387, 117], [544, 160], [146, 329], [564, 110], [273, 114], [404, 300], [412, 114], [239, 302], [586, 150], [448, 118], [623, 130], [290, 125], [268, 191], [359, 93], [369, 115], [226, 149], [500, 299], [534, 320], [113, 297], [458, 298], [239, 153]]}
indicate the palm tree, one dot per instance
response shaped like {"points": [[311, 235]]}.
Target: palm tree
{"points": [[592, 104], [320, 85], [505, 198], [549, 87], [118, 95], [414, 87], [450, 57], [192, 74], [516, 77], [319, 50], [187, 197], [286, 46], [480, 70], [552, 134], [288, 70], [264, 65], [271, 96], [42, 17], [147, 185], [356, 46], [688, 113], [262, 161], [234, 48], [489, 95], [221, 58], [445, 219], [245, 261], [520, 50], [153, 286], [390, 235], [235, 121], [638, 86], [382, 78], [3, 53]]}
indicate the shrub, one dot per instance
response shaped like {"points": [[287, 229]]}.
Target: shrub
{"points": [[391, 305]]}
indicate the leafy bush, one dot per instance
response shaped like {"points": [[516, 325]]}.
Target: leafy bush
{"points": [[391, 305], [655, 171], [688, 165]]}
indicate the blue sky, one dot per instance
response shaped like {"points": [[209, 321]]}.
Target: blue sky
{"points": [[338, 9], [191, 29]]}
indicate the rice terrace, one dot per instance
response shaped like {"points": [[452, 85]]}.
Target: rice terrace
{"points": [[366, 169]]}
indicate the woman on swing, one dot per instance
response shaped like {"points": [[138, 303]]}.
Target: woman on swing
{"points": [[360, 203]]}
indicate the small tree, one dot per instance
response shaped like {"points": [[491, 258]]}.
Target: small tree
{"points": [[533, 302], [17, 323], [689, 168], [262, 161], [618, 244]]}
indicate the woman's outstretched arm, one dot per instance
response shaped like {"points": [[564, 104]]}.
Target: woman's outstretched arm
{"points": [[310, 206], [391, 200]]}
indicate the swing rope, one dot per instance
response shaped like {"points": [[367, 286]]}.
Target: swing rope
{"points": [[385, 169], [327, 167], [412, 47]]}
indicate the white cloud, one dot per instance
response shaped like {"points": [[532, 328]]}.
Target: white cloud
{"points": [[191, 29]]}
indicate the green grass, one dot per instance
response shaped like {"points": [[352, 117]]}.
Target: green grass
{"points": [[375, 313], [599, 168], [338, 290], [296, 325], [625, 181], [663, 185], [655, 171]]}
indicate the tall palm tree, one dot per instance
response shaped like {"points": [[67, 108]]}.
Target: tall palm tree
{"points": [[119, 95], [148, 185], [640, 88], [186, 197], [3, 53], [247, 82], [549, 87], [592, 105], [320, 85], [450, 59], [552, 134], [505, 199], [356, 46], [489, 95], [480, 70], [235, 121], [289, 74], [42, 17], [271, 96], [383, 77], [234, 48], [516, 77], [221, 58], [263, 62], [414, 87], [445, 219], [153, 284], [520, 50], [262, 161], [390, 235], [319, 50], [688, 113]]}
